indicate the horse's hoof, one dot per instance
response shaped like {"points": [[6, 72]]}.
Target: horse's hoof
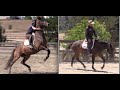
{"points": [[102, 67], [45, 60], [85, 67], [29, 70], [9, 72], [94, 69]]}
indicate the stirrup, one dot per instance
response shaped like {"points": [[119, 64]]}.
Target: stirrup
{"points": [[30, 46]]}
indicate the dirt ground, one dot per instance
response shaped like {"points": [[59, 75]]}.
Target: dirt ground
{"points": [[110, 68], [38, 66]]}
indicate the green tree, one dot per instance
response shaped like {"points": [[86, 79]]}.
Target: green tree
{"points": [[78, 31], [9, 27], [52, 29], [28, 17], [111, 22], [0, 33]]}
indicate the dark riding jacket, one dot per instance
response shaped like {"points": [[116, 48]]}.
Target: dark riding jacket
{"points": [[30, 30], [90, 32]]}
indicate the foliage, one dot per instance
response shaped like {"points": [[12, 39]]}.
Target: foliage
{"points": [[111, 22], [2, 31], [9, 27], [52, 29], [28, 18], [78, 31], [14, 17]]}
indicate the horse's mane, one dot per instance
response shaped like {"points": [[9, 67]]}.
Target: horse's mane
{"points": [[101, 42]]}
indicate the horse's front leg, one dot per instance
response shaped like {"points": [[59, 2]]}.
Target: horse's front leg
{"points": [[93, 60], [102, 57], [48, 51]]}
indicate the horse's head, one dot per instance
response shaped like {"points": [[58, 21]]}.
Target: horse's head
{"points": [[44, 24], [105, 45], [110, 49], [41, 24]]}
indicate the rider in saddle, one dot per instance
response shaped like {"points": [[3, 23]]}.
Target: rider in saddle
{"points": [[31, 30], [89, 35]]}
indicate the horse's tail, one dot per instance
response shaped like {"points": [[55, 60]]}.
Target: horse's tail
{"points": [[10, 60], [67, 49]]}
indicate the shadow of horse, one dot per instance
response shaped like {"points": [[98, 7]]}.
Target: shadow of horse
{"points": [[93, 70], [36, 73]]}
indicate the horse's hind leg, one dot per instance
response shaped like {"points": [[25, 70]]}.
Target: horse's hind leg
{"points": [[16, 57], [80, 61], [72, 61], [25, 58]]}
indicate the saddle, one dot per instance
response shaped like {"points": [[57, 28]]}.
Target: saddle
{"points": [[85, 43]]}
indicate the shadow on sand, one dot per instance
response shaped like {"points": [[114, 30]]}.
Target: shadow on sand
{"points": [[94, 70]]}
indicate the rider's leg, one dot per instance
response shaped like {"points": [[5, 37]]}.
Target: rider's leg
{"points": [[29, 37], [89, 45], [30, 42]]}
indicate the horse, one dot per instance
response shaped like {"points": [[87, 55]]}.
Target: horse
{"points": [[21, 50], [97, 50]]}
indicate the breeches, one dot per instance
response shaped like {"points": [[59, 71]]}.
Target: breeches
{"points": [[90, 42], [28, 36]]}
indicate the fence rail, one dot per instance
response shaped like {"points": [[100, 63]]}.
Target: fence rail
{"points": [[7, 47], [12, 44]]}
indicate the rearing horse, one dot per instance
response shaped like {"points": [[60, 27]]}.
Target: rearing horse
{"points": [[40, 43]]}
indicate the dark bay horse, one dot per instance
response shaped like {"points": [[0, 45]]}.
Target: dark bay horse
{"points": [[21, 50], [97, 50]]}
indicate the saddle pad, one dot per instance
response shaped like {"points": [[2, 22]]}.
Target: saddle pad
{"points": [[26, 42], [84, 44]]}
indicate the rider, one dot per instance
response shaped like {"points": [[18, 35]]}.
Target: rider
{"points": [[31, 30], [89, 35]]}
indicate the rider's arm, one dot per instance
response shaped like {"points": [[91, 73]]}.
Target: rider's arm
{"points": [[33, 25], [34, 28], [95, 33], [86, 32]]}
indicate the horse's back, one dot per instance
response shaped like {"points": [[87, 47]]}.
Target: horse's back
{"points": [[77, 44]]}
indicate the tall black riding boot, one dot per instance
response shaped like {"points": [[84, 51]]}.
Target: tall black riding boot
{"points": [[30, 42]]}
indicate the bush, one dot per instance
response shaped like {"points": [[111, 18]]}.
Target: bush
{"points": [[78, 31], [0, 33], [10, 27], [2, 38], [28, 17]]}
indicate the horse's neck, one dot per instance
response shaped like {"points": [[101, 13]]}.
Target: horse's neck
{"points": [[38, 23], [101, 45], [38, 39], [39, 33]]}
